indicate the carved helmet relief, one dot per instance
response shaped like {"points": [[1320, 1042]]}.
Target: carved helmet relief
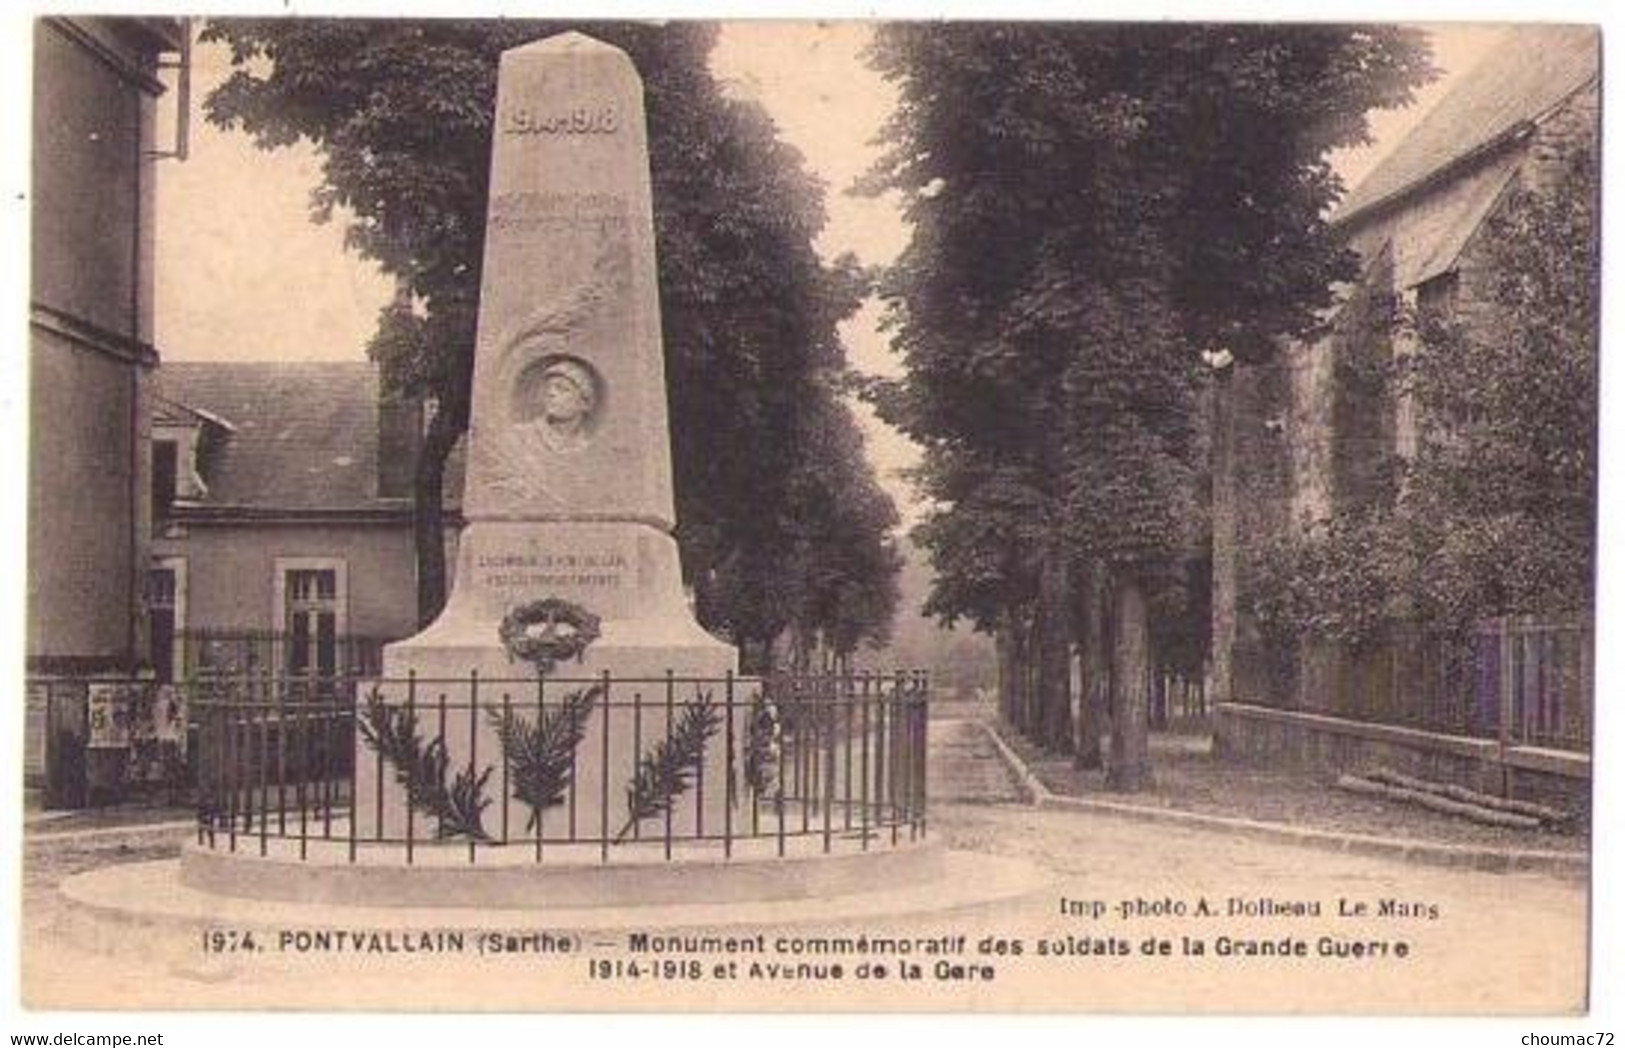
{"points": [[549, 400], [557, 399]]}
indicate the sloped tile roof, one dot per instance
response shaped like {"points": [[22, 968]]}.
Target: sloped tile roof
{"points": [[305, 435], [167, 412], [1529, 71]]}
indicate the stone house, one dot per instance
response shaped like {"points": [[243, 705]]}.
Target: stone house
{"points": [[282, 501], [1310, 432]]}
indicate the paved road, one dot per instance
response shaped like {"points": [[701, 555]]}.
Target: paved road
{"points": [[1474, 942], [963, 765]]}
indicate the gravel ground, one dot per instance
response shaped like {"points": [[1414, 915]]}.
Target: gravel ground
{"points": [[1533, 924], [47, 862], [1189, 778], [135, 814]]}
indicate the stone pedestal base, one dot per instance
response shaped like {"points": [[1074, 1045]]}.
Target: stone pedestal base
{"points": [[627, 722], [650, 664]]}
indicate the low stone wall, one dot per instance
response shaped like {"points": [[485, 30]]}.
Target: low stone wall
{"points": [[1317, 743]]}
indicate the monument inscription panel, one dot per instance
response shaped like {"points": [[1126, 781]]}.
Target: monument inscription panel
{"points": [[526, 572], [582, 120]]}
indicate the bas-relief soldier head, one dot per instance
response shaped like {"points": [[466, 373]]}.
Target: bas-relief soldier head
{"points": [[559, 402]]}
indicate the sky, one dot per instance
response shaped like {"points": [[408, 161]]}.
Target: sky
{"points": [[245, 275]]}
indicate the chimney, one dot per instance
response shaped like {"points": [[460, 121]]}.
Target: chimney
{"points": [[400, 440]]}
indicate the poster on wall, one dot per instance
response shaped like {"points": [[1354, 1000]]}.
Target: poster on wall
{"points": [[110, 708]]}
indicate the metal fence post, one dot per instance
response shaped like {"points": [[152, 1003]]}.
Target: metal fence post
{"points": [[473, 744], [605, 703], [728, 780], [1507, 698]]}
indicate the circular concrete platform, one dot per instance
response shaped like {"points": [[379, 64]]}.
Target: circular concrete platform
{"points": [[146, 908], [570, 876]]}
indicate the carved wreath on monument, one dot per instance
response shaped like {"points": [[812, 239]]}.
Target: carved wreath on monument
{"points": [[548, 631]]}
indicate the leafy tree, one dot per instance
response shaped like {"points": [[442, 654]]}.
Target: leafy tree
{"points": [[401, 113], [1502, 497], [986, 522], [1093, 206], [844, 560]]}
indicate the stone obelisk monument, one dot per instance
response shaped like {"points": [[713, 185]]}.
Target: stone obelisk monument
{"points": [[568, 497], [569, 491]]}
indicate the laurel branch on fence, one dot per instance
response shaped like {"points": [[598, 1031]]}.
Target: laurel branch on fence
{"points": [[458, 806]]}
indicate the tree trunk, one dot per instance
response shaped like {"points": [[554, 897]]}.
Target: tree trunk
{"points": [[1018, 674], [1221, 675], [1130, 768], [759, 655], [1015, 672], [1094, 683], [1052, 652], [800, 651], [428, 520], [1004, 645]]}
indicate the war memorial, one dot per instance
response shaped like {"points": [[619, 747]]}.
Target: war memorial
{"points": [[564, 745]]}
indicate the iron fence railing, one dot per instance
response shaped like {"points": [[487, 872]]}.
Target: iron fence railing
{"points": [[239, 652], [404, 768], [1177, 699]]}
